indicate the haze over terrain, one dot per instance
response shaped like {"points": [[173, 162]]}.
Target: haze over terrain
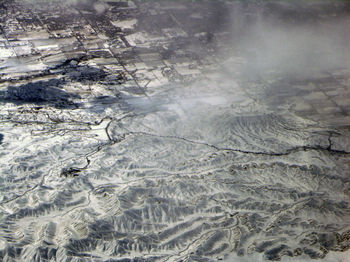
{"points": [[174, 131]]}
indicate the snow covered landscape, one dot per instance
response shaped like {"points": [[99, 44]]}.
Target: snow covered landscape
{"points": [[174, 131]]}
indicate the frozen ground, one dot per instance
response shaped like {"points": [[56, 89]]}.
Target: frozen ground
{"points": [[167, 131]]}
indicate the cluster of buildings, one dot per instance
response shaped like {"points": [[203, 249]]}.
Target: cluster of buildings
{"points": [[148, 43]]}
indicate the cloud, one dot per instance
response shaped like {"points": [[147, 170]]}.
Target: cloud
{"points": [[307, 43]]}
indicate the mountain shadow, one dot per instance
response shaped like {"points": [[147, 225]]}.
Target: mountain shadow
{"points": [[40, 92], [51, 92]]}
